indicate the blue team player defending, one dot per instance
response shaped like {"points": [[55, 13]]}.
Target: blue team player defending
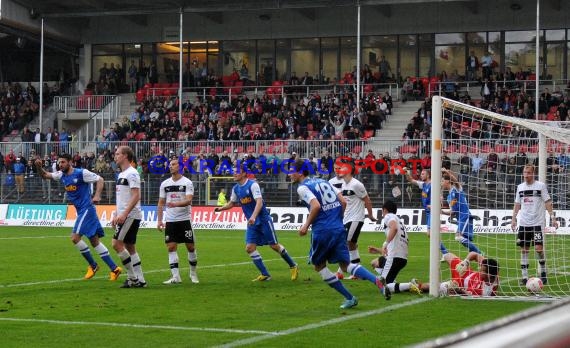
{"points": [[328, 240], [459, 208], [77, 184], [260, 230]]}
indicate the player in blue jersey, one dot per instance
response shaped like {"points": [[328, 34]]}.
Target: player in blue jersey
{"points": [[328, 240], [424, 184], [459, 209], [260, 229], [77, 184]]}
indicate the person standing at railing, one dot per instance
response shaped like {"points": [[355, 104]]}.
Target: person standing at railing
{"points": [[472, 65], [487, 65], [133, 76]]}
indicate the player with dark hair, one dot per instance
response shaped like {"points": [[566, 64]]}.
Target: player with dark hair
{"points": [[77, 183], [176, 194], [466, 281], [394, 251], [328, 239], [260, 229]]}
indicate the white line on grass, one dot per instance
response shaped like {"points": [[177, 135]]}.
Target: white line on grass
{"points": [[45, 282], [34, 237], [320, 324], [138, 326]]}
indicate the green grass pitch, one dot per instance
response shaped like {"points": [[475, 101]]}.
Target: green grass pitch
{"points": [[44, 301]]}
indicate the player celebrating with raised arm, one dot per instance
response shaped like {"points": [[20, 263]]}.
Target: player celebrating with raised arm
{"points": [[459, 208], [531, 200], [357, 203], [77, 183], [176, 193], [260, 229], [128, 217], [424, 184], [328, 240]]}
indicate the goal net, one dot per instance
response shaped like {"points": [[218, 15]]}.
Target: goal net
{"points": [[487, 152], [215, 184]]}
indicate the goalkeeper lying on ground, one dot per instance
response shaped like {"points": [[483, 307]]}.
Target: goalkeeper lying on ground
{"points": [[465, 281]]}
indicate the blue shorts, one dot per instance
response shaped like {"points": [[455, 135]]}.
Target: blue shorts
{"points": [[87, 224], [465, 228], [261, 233], [329, 246], [428, 218]]}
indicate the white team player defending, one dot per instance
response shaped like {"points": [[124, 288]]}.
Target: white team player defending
{"points": [[357, 201], [176, 193], [531, 200], [394, 251], [127, 218]]}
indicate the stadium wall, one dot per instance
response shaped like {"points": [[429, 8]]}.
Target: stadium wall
{"points": [[285, 218]]}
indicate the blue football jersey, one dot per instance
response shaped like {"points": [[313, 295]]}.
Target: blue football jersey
{"points": [[246, 195], [330, 215], [77, 187], [426, 195], [458, 204]]}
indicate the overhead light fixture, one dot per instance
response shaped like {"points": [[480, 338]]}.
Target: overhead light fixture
{"points": [[515, 6], [264, 17]]}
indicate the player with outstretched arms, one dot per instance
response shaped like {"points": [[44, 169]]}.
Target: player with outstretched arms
{"points": [[77, 182], [176, 194], [128, 217], [328, 236], [531, 201]]}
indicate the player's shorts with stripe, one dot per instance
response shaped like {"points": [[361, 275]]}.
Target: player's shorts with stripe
{"points": [[465, 228], [178, 232], [353, 230], [87, 224], [262, 232], [530, 235], [329, 246], [127, 232]]}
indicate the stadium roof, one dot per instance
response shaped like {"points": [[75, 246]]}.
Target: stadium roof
{"points": [[90, 8]]}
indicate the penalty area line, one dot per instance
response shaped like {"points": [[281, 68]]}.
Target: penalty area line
{"points": [[320, 324], [138, 326]]}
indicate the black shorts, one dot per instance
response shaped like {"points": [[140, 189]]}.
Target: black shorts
{"points": [[127, 232], [353, 230], [179, 232], [530, 235], [392, 267]]}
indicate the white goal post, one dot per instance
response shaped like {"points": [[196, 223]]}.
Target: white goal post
{"points": [[465, 131]]}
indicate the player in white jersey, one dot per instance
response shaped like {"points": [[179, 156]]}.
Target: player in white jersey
{"points": [[531, 200], [394, 251], [357, 201], [176, 193], [128, 217]]}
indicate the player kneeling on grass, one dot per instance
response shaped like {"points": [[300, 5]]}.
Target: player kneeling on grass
{"points": [[328, 240], [260, 229], [466, 281], [394, 251]]}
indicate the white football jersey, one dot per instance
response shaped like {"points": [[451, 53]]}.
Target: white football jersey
{"points": [[127, 180], [354, 193], [398, 247], [532, 198], [176, 191], [336, 182]]}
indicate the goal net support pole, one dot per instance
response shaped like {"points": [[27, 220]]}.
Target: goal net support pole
{"points": [[434, 268]]}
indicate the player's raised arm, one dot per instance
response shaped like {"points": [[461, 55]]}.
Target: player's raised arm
{"points": [[41, 171]]}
